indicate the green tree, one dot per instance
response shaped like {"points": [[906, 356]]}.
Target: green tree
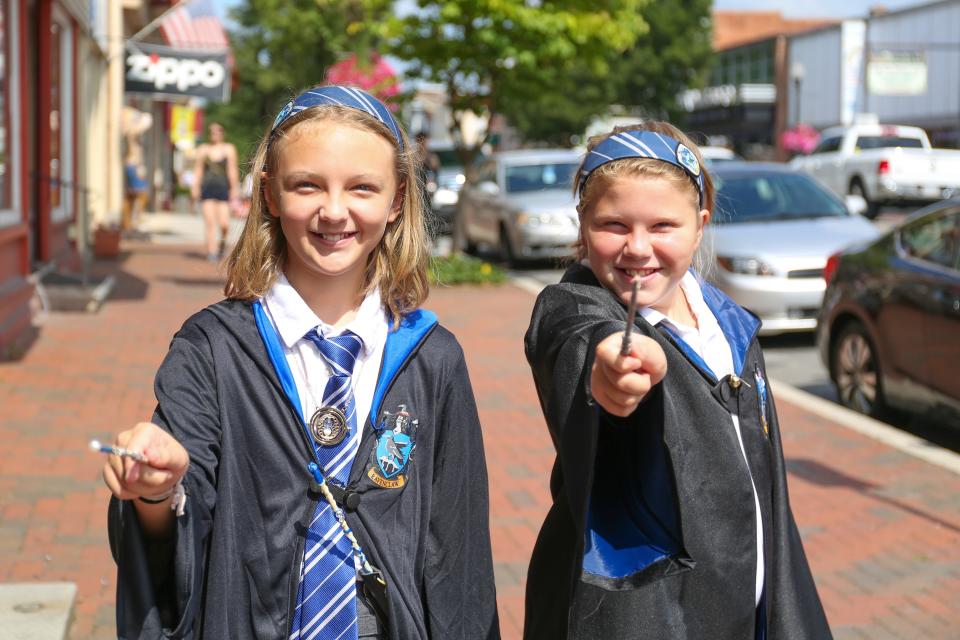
{"points": [[491, 55], [283, 46], [674, 54]]}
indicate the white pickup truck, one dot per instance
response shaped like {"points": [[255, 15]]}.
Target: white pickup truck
{"points": [[885, 164]]}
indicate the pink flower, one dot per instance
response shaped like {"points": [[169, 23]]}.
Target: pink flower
{"points": [[375, 76]]}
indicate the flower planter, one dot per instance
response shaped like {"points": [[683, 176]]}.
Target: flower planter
{"points": [[106, 242]]}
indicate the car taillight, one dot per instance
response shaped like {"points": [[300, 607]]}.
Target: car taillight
{"points": [[830, 269], [883, 167]]}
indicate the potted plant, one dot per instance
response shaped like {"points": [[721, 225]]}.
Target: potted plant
{"points": [[106, 241]]}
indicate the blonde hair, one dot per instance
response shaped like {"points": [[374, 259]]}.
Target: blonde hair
{"points": [[604, 175], [398, 265]]}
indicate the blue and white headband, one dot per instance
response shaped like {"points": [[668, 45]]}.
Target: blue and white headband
{"points": [[344, 97], [643, 144]]}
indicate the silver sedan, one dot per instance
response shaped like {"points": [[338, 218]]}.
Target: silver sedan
{"points": [[772, 232], [522, 205]]}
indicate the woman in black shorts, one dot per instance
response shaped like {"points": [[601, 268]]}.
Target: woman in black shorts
{"points": [[216, 182]]}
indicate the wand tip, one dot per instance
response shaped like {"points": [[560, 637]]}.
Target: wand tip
{"points": [[95, 445]]}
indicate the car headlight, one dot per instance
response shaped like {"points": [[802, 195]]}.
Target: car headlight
{"points": [[544, 219], [445, 197], [525, 219], [747, 266]]}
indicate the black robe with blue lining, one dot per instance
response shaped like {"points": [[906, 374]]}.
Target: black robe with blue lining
{"points": [[232, 567], [652, 531]]}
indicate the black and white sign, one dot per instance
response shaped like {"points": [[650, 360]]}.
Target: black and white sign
{"points": [[164, 71]]}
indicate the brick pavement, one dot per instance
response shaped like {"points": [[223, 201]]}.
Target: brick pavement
{"points": [[882, 529]]}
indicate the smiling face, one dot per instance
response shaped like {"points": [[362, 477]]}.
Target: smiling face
{"points": [[643, 227], [334, 191]]}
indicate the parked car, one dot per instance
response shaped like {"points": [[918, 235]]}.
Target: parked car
{"points": [[885, 164], [889, 330], [772, 231], [522, 205], [713, 156], [449, 180]]}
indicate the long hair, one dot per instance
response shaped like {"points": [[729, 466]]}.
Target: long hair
{"points": [[605, 174], [398, 265]]}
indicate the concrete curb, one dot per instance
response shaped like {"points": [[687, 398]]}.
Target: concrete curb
{"points": [[36, 611], [865, 425]]}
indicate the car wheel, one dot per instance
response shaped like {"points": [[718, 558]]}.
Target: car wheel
{"points": [[856, 371], [857, 189]]}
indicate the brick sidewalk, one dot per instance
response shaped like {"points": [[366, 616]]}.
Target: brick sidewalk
{"points": [[882, 529]]}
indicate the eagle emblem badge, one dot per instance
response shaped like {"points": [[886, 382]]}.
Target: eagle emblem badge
{"points": [[394, 445]]}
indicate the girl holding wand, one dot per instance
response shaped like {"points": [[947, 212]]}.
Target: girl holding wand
{"points": [[671, 517], [314, 466]]}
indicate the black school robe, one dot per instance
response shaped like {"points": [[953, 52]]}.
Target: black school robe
{"points": [[231, 570], [652, 531]]}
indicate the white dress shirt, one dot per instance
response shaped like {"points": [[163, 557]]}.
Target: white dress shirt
{"points": [[708, 341], [292, 319]]}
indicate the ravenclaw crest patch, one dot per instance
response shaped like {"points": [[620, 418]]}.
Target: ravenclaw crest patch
{"points": [[395, 443]]}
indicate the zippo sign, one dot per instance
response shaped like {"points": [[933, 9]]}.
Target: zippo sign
{"points": [[165, 71]]}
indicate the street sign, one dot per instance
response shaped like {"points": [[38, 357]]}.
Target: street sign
{"points": [[157, 70], [897, 73]]}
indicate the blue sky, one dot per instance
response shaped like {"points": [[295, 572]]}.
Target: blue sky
{"points": [[789, 8]]}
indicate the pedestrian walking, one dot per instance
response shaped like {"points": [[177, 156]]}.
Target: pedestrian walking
{"points": [[216, 187], [315, 465], [671, 517], [134, 125]]}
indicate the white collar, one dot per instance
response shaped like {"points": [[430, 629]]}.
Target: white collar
{"points": [[294, 318], [691, 288]]}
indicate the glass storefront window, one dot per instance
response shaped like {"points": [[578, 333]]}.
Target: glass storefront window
{"points": [[56, 122]]}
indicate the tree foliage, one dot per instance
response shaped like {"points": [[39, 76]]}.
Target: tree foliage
{"points": [[281, 47], [492, 55], [674, 54]]}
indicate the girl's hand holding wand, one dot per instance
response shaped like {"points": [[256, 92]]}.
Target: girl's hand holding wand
{"points": [[620, 382], [154, 480]]}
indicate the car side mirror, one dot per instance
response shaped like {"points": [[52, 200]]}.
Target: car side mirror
{"points": [[489, 187], [855, 203]]}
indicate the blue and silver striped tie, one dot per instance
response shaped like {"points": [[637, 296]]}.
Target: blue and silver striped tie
{"points": [[327, 595]]}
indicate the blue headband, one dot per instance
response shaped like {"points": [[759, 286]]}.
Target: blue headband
{"points": [[643, 144], [345, 97]]}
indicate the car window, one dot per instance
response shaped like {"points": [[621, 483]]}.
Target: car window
{"points": [[540, 177], [773, 196], [883, 142], [828, 145], [935, 240]]}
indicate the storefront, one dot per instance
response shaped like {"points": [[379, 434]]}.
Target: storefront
{"points": [[47, 96]]}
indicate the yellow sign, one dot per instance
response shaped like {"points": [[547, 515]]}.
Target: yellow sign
{"points": [[182, 125]]}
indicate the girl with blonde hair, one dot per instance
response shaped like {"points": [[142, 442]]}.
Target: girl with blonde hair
{"points": [[671, 517], [314, 468]]}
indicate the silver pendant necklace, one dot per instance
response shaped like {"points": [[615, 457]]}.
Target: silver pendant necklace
{"points": [[328, 425]]}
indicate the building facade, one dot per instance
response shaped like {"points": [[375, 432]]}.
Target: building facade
{"points": [[742, 105], [55, 116], [772, 75], [63, 104]]}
